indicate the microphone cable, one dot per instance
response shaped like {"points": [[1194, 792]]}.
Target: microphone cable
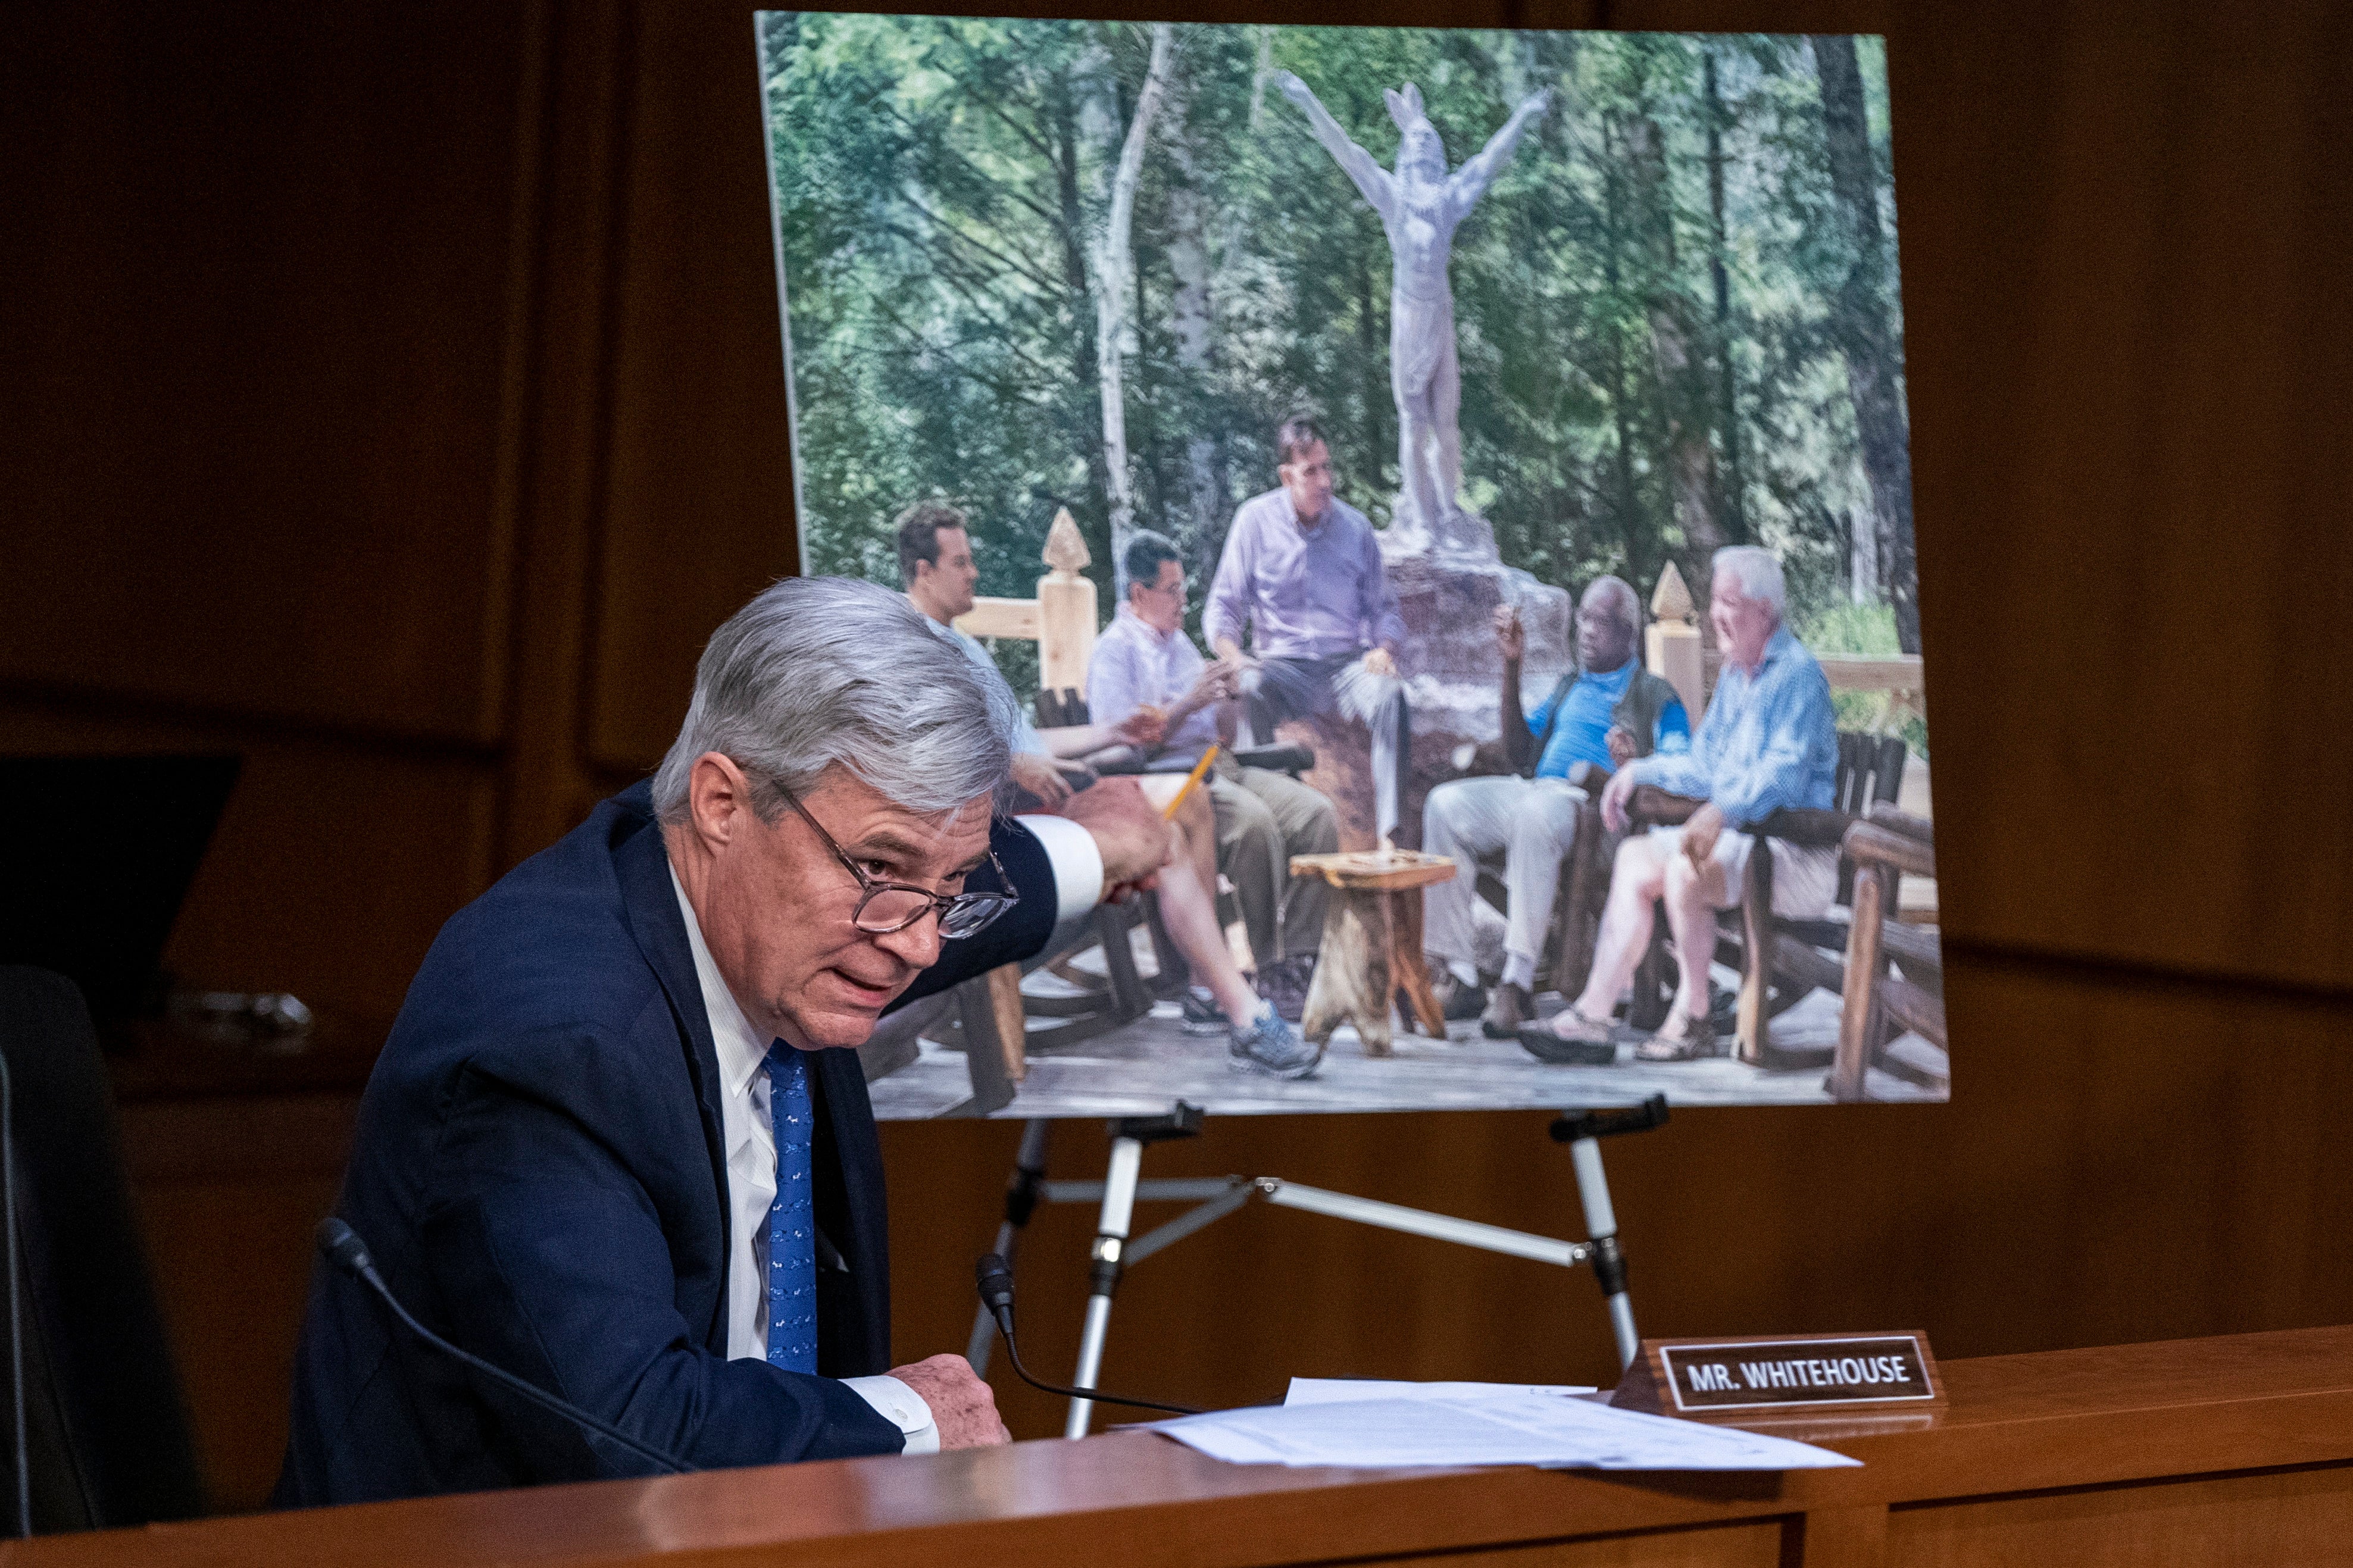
{"points": [[996, 1283], [349, 1254]]}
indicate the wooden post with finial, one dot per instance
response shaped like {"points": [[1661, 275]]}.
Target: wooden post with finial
{"points": [[1672, 644], [1066, 610]]}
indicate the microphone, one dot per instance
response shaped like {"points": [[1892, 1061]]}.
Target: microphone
{"points": [[995, 1281], [345, 1249]]}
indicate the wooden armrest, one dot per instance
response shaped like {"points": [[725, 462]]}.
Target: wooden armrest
{"points": [[1650, 807], [1872, 844], [1901, 821], [1113, 760], [1284, 759], [1804, 825]]}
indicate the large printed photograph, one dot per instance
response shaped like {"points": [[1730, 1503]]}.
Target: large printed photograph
{"points": [[1462, 478]]}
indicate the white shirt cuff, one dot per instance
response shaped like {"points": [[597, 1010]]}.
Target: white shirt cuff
{"points": [[895, 1401], [1078, 864]]}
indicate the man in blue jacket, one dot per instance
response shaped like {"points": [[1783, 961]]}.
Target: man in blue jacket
{"points": [[615, 1143]]}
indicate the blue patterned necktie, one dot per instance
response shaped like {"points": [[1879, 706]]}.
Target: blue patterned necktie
{"points": [[792, 1218]]}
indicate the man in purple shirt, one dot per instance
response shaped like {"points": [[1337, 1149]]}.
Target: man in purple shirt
{"points": [[1144, 659], [1302, 573]]}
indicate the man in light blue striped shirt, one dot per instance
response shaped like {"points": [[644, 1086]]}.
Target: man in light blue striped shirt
{"points": [[1770, 739]]}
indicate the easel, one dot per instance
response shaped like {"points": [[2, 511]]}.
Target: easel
{"points": [[1215, 1197]]}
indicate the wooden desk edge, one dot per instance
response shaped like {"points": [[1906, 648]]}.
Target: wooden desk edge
{"points": [[2147, 1412]]}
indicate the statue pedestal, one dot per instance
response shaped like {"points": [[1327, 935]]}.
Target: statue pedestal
{"points": [[1447, 596]]}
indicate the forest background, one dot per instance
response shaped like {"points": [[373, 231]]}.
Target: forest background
{"points": [[1034, 265]]}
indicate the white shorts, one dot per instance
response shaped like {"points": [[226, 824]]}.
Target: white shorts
{"points": [[1805, 877]]}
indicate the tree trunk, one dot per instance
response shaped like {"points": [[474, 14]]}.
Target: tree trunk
{"points": [[1190, 320], [1110, 254], [1690, 455], [1638, 567], [1063, 134], [1866, 338], [1720, 274]]}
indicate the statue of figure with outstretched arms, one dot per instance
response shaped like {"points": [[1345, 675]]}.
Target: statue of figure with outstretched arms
{"points": [[1421, 204]]}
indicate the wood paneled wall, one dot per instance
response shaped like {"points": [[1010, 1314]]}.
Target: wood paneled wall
{"points": [[397, 398]]}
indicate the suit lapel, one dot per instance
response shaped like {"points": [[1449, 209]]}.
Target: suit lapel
{"points": [[641, 865]]}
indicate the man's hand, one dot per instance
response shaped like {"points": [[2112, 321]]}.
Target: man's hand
{"points": [[1614, 796], [1700, 833], [1621, 741], [1135, 839], [1142, 728], [962, 1407], [1041, 777], [1511, 638], [1380, 661], [1215, 685], [1231, 654]]}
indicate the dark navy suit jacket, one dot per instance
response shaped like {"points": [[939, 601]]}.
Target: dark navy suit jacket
{"points": [[540, 1171]]}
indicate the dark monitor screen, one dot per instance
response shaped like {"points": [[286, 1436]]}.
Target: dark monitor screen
{"points": [[100, 856]]}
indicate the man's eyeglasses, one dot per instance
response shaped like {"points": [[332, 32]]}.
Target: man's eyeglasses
{"points": [[886, 907]]}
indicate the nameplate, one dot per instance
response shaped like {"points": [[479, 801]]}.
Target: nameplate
{"points": [[1764, 1378]]}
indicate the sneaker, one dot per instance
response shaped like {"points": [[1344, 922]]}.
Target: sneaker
{"points": [[1201, 1014], [1284, 983], [1272, 1046]]}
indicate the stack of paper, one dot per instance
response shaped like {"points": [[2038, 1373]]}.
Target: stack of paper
{"points": [[1325, 1422]]}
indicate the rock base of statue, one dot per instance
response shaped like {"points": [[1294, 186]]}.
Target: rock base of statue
{"points": [[1448, 583]]}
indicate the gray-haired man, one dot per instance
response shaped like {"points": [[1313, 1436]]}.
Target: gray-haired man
{"points": [[615, 1143], [1606, 711]]}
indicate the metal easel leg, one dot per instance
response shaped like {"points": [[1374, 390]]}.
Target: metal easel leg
{"points": [[1021, 1193], [1111, 1240], [1608, 1261], [1128, 1137], [1581, 1132]]}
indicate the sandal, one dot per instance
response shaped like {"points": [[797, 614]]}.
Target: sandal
{"points": [[1588, 1043], [1695, 1040]]}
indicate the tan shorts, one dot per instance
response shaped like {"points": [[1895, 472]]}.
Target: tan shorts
{"points": [[1805, 877]]}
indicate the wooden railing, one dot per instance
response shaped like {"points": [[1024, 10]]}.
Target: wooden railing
{"points": [[1674, 648], [1060, 620]]}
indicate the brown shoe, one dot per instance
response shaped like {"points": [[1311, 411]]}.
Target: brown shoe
{"points": [[1507, 1009], [1693, 1041]]}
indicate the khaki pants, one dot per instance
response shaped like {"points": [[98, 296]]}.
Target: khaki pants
{"points": [[1263, 819], [1529, 826]]}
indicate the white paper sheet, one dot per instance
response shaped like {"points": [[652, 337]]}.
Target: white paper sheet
{"points": [[1337, 1390], [1503, 1425]]}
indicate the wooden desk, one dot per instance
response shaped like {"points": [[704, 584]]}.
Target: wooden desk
{"points": [[2237, 1449]]}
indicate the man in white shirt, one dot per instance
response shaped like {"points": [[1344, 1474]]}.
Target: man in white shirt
{"points": [[1143, 663], [936, 565]]}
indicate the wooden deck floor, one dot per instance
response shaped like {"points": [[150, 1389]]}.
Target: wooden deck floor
{"points": [[1145, 1068]]}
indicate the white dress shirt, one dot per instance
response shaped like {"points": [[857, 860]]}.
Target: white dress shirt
{"points": [[751, 1134], [751, 1138]]}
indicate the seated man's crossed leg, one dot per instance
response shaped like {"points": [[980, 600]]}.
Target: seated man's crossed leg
{"points": [[1261, 1040]]}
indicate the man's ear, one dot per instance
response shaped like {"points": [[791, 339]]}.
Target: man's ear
{"points": [[718, 799]]}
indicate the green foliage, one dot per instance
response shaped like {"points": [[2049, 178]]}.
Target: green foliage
{"points": [[1865, 629], [937, 179]]}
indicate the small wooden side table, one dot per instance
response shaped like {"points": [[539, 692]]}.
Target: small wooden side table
{"points": [[1362, 964]]}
